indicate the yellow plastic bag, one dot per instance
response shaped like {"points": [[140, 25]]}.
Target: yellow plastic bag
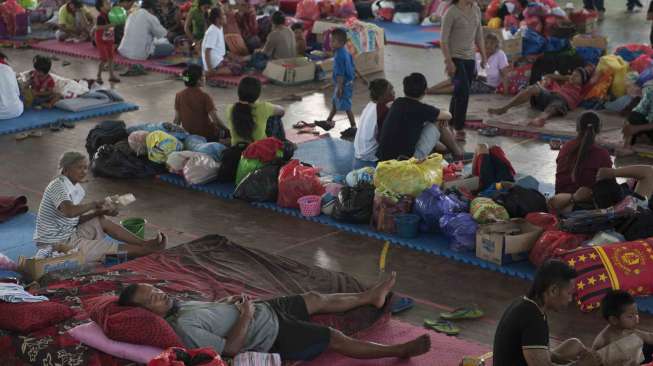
{"points": [[620, 68], [494, 23], [160, 145], [408, 177]]}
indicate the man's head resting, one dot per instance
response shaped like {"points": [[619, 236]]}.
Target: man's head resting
{"points": [[147, 297]]}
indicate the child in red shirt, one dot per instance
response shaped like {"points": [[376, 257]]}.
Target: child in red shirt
{"points": [[104, 40], [41, 83]]}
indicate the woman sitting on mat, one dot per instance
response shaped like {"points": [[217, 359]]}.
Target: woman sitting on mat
{"points": [[194, 109], [10, 104], [248, 25], [496, 71], [233, 38], [64, 222], [581, 158], [75, 23], [248, 118], [549, 97]]}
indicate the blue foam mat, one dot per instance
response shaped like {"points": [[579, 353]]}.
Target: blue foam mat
{"points": [[332, 155], [222, 190], [33, 119], [409, 35], [16, 236]]}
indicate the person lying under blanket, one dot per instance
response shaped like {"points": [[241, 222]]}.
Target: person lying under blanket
{"points": [[620, 343], [64, 223], [280, 325], [550, 97]]}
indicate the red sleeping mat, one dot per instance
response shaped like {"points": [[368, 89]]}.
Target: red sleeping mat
{"points": [[206, 269]]}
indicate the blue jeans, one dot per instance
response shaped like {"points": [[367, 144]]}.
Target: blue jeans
{"points": [[162, 50], [358, 164], [462, 81]]}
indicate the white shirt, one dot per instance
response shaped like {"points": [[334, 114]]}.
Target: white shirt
{"points": [[495, 63], [213, 41], [51, 224], [10, 104], [365, 143], [141, 29]]}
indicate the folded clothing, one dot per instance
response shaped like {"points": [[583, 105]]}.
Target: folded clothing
{"points": [[11, 292], [12, 206]]}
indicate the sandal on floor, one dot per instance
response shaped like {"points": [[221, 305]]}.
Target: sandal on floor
{"points": [[301, 124], [555, 144], [308, 131], [135, 70], [463, 313], [488, 131], [442, 326], [402, 304], [349, 133], [292, 98], [325, 125]]}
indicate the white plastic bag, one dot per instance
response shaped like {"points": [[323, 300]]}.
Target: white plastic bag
{"points": [[178, 159], [201, 169]]}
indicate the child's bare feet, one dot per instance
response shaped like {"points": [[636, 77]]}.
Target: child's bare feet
{"points": [[497, 111], [380, 291], [417, 346]]}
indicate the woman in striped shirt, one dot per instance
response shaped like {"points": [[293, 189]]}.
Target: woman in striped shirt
{"points": [[64, 222]]}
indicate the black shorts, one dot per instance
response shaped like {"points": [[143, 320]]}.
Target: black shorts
{"points": [[549, 101], [298, 339]]}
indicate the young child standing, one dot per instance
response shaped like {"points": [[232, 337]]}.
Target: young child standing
{"points": [[620, 343], [343, 80], [366, 142], [104, 40], [41, 83]]}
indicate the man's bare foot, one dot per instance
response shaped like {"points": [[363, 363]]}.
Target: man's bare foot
{"points": [[417, 346], [380, 291], [497, 111], [537, 122]]}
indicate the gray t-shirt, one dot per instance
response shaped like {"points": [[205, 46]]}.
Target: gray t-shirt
{"points": [[281, 44], [460, 31], [206, 324]]}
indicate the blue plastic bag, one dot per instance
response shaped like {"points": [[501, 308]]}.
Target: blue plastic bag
{"points": [[534, 43], [167, 127], [590, 55], [555, 44], [213, 149], [193, 141], [461, 229], [645, 76], [432, 204]]}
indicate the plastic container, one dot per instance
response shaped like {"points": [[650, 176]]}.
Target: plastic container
{"points": [[135, 225], [407, 225], [310, 205]]}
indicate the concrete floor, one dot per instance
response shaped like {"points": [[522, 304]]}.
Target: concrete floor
{"points": [[436, 283]]}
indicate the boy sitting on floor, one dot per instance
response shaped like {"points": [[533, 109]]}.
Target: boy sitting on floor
{"points": [[300, 41], [549, 97], [496, 71], [41, 83], [620, 343]]}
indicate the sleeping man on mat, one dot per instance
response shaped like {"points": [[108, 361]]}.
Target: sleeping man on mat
{"points": [[281, 325]]}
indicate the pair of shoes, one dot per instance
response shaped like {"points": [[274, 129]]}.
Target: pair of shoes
{"points": [[444, 324], [488, 131], [325, 125], [135, 70], [349, 133]]}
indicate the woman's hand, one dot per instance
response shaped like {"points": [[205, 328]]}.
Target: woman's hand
{"points": [[450, 67]]}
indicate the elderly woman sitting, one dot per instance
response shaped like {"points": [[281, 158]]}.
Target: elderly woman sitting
{"points": [[64, 222]]}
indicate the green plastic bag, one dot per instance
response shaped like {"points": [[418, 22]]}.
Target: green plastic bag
{"points": [[246, 166], [484, 211], [29, 4], [117, 15]]}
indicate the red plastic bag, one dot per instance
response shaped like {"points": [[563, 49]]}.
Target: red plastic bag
{"points": [[554, 243], [296, 181], [308, 9], [641, 63], [180, 357], [544, 220]]}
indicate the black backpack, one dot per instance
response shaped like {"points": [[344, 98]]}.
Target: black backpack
{"points": [[639, 226], [520, 201], [229, 163], [354, 205], [261, 185], [114, 162], [105, 133]]}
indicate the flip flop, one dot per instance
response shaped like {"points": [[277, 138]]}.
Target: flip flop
{"points": [[301, 124], [442, 326], [488, 131], [325, 125], [308, 131], [463, 313], [402, 304], [292, 98]]}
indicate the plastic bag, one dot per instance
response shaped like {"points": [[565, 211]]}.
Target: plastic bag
{"points": [[160, 145], [432, 204], [641, 63], [354, 204], [553, 243], [261, 185], [177, 161], [213, 149], [486, 211], [191, 142], [295, 181], [308, 10], [461, 229], [200, 169], [7, 264], [384, 210], [246, 166], [360, 175], [136, 141], [176, 356], [409, 177], [534, 43], [544, 220], [619, 68]]}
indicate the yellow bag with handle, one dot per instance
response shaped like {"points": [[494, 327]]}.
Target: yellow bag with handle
{"points": [[620, 68], [408, 177]]}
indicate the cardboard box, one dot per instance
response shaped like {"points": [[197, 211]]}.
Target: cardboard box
{"points": [[511, 47], [366, 63], [506, 242], [36, 268], [582, 40], [289, 71], [470, 183]]}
